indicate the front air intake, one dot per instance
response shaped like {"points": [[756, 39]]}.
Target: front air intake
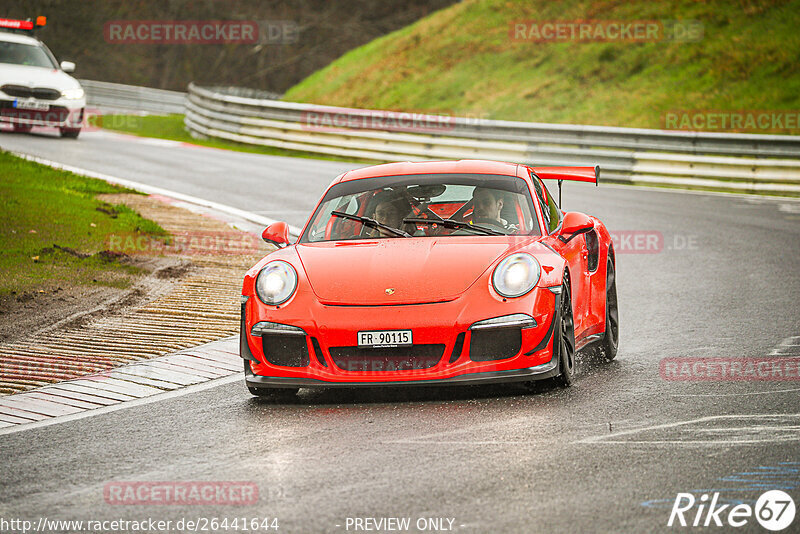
{"points": [[494, 344], [285, 350]]}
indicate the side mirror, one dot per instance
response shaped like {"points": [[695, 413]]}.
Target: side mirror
{"points": [[68, 66], [574, 224], [277, 234]]}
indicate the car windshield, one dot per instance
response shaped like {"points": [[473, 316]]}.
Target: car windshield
{"points": [[23, 54], [436, 205]]}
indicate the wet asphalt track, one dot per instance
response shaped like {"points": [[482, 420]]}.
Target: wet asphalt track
{"points": [[609, 454]]}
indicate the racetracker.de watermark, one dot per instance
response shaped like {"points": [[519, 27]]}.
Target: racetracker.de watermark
{"points": [[190, 32], [328, 120], [94, 119], [742, 120], [149, 525], [587, 31], [181, 493], [200, 243], [88, 119], [721, 369], [20, 371], [650, 242]]}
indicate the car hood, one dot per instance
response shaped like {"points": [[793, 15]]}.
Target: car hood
{"points": [[36, 77], [397, 271]]}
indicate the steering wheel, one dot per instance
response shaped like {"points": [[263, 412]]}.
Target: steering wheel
{"points": [[489, 223]]}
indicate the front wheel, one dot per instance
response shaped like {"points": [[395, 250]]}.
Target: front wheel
{"points": [[564, 342]]}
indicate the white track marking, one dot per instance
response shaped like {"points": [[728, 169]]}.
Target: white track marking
{"points": [[791, 428], [734, 394], [743, 196], [122, 405]]}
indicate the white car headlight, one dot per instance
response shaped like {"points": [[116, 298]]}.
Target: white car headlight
{"points": [[73, 94], [276, 282], [516, 275]]}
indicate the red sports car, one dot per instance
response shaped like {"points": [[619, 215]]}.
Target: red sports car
{"points": [[447, 272]]}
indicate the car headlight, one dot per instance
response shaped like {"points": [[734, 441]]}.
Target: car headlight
{"points": [[516, 275], [276, 282], [73, 94]]}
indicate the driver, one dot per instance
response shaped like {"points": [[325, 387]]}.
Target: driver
{"points": [[390, 210], [487, 204]]}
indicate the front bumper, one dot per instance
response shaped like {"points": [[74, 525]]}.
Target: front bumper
{"points": [[328, 331], [62, 113], [539, 372]]}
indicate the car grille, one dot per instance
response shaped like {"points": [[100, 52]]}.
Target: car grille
{"points": [[20, 91], [494, 344], [288, 351], [56, 114], [387, 359]]}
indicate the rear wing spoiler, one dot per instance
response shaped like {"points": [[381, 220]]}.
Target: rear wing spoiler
{"points": [[575, 174], [578, 174]]}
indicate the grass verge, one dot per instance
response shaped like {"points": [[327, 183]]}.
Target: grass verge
{"points": [[53, 231]]}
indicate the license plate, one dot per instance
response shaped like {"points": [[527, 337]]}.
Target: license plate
{"points": [[384, 338], [31, 104]]}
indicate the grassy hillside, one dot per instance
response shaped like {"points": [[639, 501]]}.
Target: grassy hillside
{"points": [[462, 60]]}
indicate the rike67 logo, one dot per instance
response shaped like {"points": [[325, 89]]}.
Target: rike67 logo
{"points": [[774, 510]]}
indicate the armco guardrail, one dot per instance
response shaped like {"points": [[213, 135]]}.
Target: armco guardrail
{"points": [[115, 97], [741, 162]]}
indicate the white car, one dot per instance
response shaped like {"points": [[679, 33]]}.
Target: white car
{"points": [[35, 90]]}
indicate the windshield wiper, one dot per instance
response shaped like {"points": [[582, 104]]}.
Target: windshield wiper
{"points": [[371, 223], [450, 223]]}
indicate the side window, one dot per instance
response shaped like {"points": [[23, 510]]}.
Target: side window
{"points": [[537, 186], [552, 215], [555, 213]]}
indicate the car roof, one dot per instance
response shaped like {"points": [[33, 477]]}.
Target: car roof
{"points": [[18, 38], [464, 166]]}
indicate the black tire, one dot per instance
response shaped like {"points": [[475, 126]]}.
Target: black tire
{"points": [[70, 133], [607, 348], [564, 338]]}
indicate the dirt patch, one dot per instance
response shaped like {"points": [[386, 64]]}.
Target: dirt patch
{"points": [[173, 271], [27, 313], [24, 313]]}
